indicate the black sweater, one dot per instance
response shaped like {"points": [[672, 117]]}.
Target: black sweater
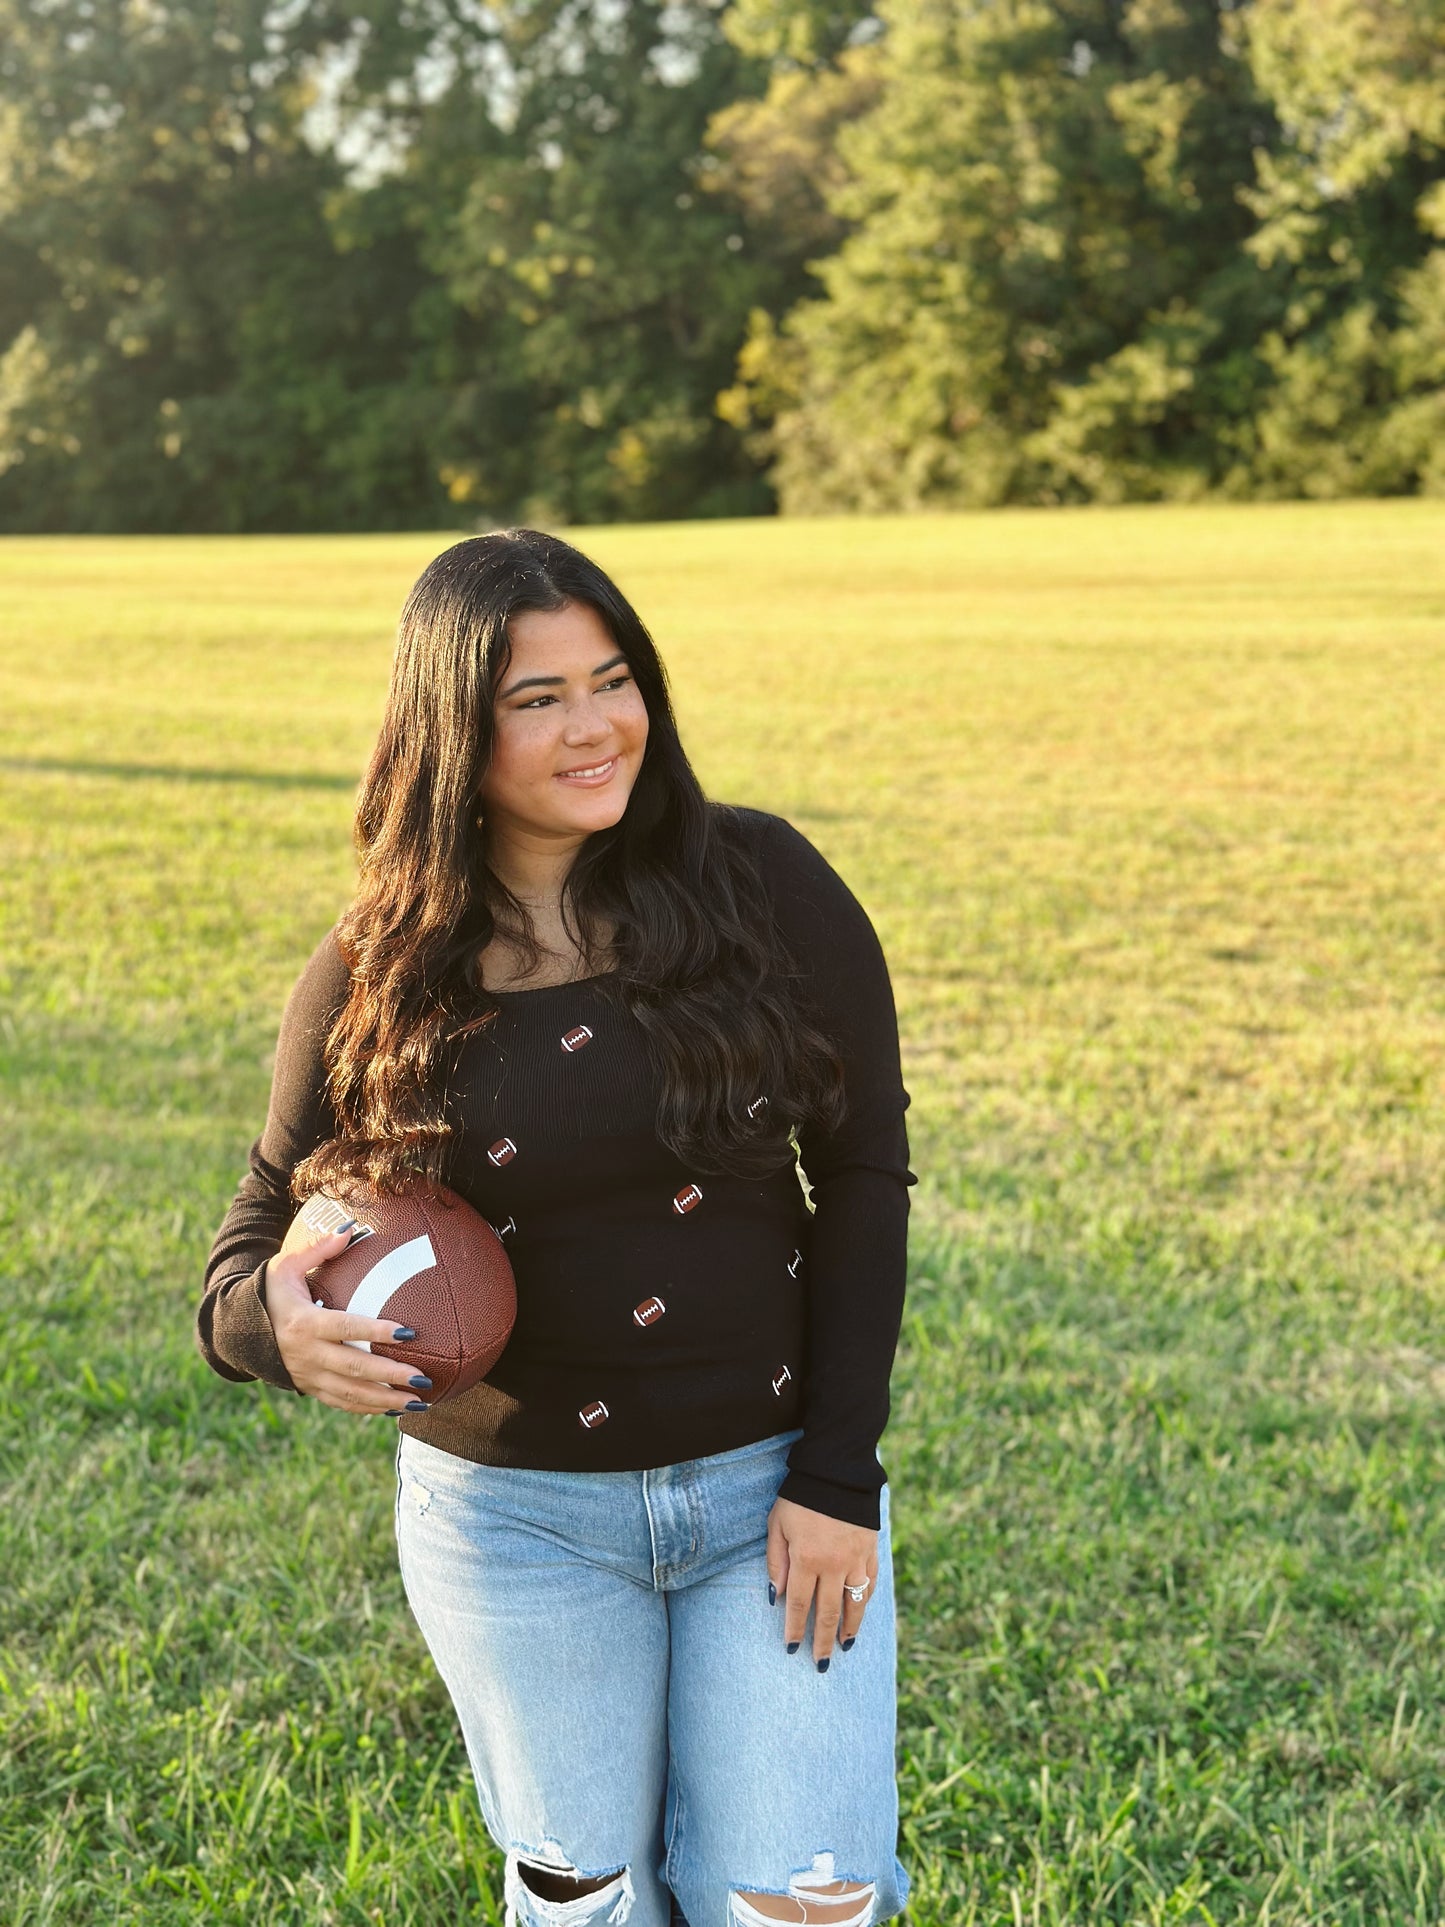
{"points": [[775, 1317]]}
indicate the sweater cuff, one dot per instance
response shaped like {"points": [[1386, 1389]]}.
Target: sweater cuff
{"points": [[845, 1502], [235, 1334]]}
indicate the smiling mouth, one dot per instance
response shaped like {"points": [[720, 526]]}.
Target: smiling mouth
{"points": [[593, 773]]}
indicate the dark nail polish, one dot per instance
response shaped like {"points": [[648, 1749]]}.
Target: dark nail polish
{"points": [[345, 1228], [421, 1383], [847, 1644], [772, 1594], [403, 1332], [823, 1665], [794, 1644], [396, 1414], [416, 1405]]}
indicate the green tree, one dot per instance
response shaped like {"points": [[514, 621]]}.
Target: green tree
{"points": [[1097, 251], [776, 160], [799, 36], [188, 342], [607, 289], [520, 299], [1042, 184], [1351, 204]]}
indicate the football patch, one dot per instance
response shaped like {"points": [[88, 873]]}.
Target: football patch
{"points": [[576, 1038], [687, 1199], [780, 1379], [502, 1152], [593, 1415], [648, 1312], [795, 1264]]}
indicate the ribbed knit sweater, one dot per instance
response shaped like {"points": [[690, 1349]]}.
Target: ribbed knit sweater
{"points": [[775, 1315]]}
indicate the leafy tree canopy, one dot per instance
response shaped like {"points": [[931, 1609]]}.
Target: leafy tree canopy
{"points": [[400, 262], [1100, 251]]}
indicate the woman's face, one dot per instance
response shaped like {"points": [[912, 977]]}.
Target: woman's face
{"points": [[570, 729]]}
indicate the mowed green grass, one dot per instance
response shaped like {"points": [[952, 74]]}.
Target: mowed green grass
{"points": [[1147, 807]]}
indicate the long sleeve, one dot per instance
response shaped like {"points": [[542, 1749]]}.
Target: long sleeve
{"points": [[858, 1175], [233, 1328]]}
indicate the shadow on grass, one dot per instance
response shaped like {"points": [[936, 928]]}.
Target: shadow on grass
{"points": [[174, 773]]}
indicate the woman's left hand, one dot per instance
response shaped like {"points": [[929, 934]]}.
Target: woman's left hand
{"points": [[811, 1558]]}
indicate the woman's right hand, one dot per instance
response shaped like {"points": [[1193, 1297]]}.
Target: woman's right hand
{"points": [[313, 1341]]}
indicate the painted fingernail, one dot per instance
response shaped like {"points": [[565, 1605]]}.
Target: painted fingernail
{"points": [[396, 1414], [415, 1405], [794, 1644], [772, 1594], [823, 1665], [847, 1644], [403, 1332], [421, 1383], [345, 1229]]}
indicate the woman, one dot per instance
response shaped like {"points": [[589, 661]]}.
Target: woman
{"points": [[616, 1545]]}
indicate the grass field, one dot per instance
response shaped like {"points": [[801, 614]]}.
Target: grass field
{"points": [[1147, 806]]}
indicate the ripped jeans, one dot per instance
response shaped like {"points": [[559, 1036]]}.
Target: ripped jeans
{"points": [[628, 1705]]}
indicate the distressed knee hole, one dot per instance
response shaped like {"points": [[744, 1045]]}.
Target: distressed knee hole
{"points": [[552, 1884], [552, 1893], [846, 1903], [813, 1899]]}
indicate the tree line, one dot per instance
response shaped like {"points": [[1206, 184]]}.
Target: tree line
{"points": [[347, 264]]}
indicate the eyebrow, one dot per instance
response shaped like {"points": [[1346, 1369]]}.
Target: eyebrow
{"points": [[555, 682]]}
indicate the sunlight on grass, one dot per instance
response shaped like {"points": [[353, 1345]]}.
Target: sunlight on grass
{"points": [[1147, 807]]}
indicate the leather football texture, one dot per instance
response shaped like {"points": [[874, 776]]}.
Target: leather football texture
{"points": [[426, 1260]]}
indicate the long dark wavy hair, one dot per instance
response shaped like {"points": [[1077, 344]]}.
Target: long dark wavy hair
{"points": [[693, 944]]}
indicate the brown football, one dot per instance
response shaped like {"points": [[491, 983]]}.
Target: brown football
{"points": [[427, 1260]]}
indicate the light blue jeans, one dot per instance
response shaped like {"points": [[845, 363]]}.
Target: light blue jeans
{"points": [[627, 1702]]}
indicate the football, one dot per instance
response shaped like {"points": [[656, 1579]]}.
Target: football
{"points": [[426, 1260]]}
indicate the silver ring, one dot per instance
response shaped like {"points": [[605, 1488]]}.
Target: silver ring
{"points": [[858, 1593]]}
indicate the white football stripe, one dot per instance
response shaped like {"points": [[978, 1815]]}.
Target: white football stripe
{"points": [[386, 1278]]}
